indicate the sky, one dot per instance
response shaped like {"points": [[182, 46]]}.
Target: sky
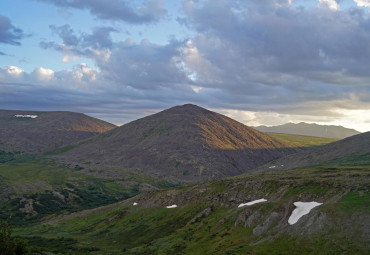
{"points": [[261, 62]]}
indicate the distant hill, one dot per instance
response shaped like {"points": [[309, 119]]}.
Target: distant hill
{"points": [[184, 143], [302, 141], [302, 128], [354, 145], [37, 132]]}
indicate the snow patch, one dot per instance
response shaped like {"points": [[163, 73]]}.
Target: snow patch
{"points": [[171, 206], [25, 116], [253, 202], [303, 208], [272, 166], [134, 204]]}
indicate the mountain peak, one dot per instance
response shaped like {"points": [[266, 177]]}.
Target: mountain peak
{"points": [[187, 109], [184, 143]]}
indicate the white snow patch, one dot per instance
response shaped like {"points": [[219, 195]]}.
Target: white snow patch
{"points": [[171, 206], [303, 208], [253, 202], [25, 116], [272, 166], [134, 204]]}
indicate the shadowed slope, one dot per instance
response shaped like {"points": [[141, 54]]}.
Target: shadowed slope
{"points": [[354, 145], [47, 131], [186, 143]]}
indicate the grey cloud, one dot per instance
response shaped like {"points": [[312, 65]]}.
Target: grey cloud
{"points": [[246, 55], [66, 33], [146, 65], [121, 10], [9, 34], [277, 55], [100, 38], [82, 44]]}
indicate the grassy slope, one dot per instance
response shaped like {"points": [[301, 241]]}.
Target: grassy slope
{"points": [[301, 140], [32, 188], [337, 227]]}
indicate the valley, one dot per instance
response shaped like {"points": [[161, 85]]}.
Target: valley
{"points": [[208, 220], [185, 127], [189, 181]]}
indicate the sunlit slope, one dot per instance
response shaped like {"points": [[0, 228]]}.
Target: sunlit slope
{"points": [[308, 129], [302, 140]]}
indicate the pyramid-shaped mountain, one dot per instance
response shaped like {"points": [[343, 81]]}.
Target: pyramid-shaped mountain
{"points": [[184, 143], [37, 132]]}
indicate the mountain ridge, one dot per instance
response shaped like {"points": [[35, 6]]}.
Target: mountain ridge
{"points": [[310, 129]]}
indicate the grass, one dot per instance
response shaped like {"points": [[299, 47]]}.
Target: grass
{"points": [[155, 230], [301, 140], [21, 118], [34, 172], [52, 189], [354, 201], [61, 150], [353, 160], [343, 185]]}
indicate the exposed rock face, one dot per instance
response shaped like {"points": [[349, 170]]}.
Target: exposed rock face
{"points": [[47, 131], [184, 143]]}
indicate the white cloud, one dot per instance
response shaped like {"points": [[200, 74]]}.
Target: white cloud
{"points": [[363, 3], [43, 74], [67, 59], [14, 71], [196, 89], [331, 4]]}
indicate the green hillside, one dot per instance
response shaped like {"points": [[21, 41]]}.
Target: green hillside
{"points": [[301, 140], [208, 220], [34, 187]]}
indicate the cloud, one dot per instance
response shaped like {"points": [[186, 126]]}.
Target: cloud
{"points": [[9, 34], [79, 77], [331, 4], [96, 45], [66, 33], [278, 56], [364, 3], [120, 10], [84, 89], [43, 74], [14, 71], [267, 57], [146, 66]]}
